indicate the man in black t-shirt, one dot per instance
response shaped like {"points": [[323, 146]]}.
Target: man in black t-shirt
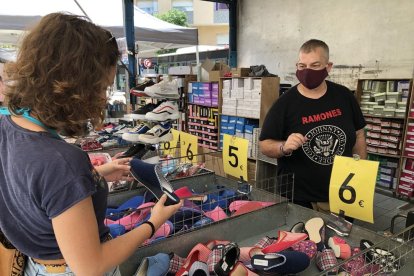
{"points": [[310, 124]]}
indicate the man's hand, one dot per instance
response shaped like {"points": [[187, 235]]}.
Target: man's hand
{"points": [[293, 142]]}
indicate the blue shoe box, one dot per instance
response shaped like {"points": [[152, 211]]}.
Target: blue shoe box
{"points": [[224, 119], [249, 128], [232, 119], [240, 128]]}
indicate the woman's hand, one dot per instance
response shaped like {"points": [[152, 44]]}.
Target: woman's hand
{"points": [[118, 169], [160, 213]]}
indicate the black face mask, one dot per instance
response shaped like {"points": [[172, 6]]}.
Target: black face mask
{"points": [[311, 78]]}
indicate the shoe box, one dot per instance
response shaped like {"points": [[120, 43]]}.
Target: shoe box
{"points": [[384, 136], [387, 176], [406, 185], [241, 97], [203, 93], [239, 127]]}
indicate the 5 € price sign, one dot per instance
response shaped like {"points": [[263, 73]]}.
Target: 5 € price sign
{"points": [[188, 147], [352, 187], [171, 146], [235, 156]]}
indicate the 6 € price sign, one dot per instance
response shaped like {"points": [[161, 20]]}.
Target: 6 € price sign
{"points": [[235, 156], [171, 146], [188, 147], [352, 187]]}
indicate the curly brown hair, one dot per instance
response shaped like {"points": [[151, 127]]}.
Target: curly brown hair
{"points": [[61, 72]]}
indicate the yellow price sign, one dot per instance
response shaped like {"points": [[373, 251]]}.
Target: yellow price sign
{"points": [[235, 156], [352, 187], [171, 146], [188, 147]]}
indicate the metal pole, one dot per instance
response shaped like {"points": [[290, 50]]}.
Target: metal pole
{"points": [[130, 40], [233, 33], [198, 64]]}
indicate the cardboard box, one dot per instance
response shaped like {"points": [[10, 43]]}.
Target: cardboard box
{"points": [[240, 72], [211, 71]]}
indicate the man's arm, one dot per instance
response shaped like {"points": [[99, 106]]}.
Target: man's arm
{"points": [[271, 148], [277, 149], [360, 146]]}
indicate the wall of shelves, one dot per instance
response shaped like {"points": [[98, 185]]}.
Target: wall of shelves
{"points": [[385, 104]]}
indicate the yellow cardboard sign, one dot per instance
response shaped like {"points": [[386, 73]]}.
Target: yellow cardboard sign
{"points": [[170, 148], [188, 147], [235, 156], [352, 187]]}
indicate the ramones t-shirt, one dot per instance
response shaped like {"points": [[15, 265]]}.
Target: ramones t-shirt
{"points": [[329, 123]]}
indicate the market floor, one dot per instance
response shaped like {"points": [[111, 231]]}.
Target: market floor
{"points": [[385, 208]]}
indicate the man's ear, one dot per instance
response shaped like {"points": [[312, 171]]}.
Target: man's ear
{"points": [[329, 67]]}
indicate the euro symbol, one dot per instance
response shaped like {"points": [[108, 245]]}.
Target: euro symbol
{"points": [[361, 203], [241, 167]]}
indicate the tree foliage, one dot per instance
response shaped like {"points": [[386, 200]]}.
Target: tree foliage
{"points": [[174, 16]]}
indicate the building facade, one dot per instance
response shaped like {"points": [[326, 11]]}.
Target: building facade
{"points": [[211, 19]]}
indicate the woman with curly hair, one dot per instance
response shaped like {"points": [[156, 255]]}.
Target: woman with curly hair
{"points": [[52, 200]]}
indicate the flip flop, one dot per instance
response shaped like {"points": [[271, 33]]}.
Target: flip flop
{"points": [[240, 207], [285, 240]]}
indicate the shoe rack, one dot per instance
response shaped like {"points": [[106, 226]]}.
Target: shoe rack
{"points": [[385, 104]]}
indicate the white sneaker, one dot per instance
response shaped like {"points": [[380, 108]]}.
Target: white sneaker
{"points": [[133, 134], [163, 89], [159, 133], [165, 111]]}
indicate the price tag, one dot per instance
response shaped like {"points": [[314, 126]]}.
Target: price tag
{"points": [[170, 148], [235, 156], [188, 147], [352, 187]]}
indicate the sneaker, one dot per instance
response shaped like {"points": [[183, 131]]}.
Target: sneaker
{"points": [[165, 111], [139, 114], [163, 89], [139, 89], [133, 134], [159, 133]]}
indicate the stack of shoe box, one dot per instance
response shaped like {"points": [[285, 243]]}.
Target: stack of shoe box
{"points": [[249, 104], [406, 185], [203, 122], [387, 171], [384, 98], [384, 136], [203, 93], [229, 98], [409, 140], [241, 97], [239, 127]]}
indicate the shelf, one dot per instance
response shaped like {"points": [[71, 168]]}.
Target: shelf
{"points": [[204, 132], [384, 191], [384, 154], [204, 105], [254, 118], [384, 117]]}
